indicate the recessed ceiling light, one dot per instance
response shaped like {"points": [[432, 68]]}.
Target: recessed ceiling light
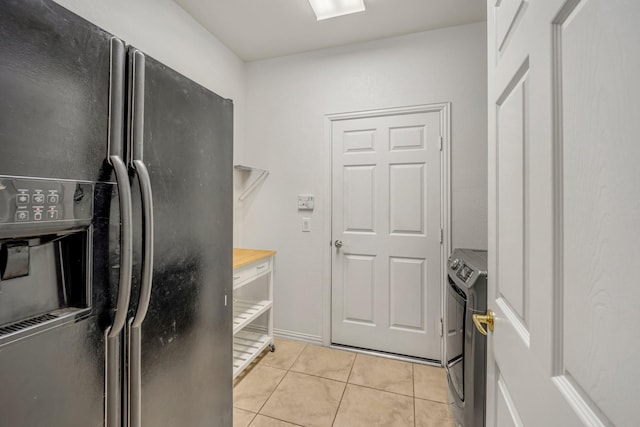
{"points": [[325, 9]]}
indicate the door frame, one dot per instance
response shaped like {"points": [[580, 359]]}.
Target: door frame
{"points": [[444, 108]]}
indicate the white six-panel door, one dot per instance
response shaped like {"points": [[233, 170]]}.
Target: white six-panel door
{"points": [[564, 212], [386, 212]]}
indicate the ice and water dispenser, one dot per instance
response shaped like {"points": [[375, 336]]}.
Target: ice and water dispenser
{"points": [[45, 253]]}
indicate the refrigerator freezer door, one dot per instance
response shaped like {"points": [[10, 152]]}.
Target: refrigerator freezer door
{"points": [[186, 351], [54, 121]]}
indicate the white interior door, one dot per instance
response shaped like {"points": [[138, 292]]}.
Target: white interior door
{"points": [[564, 211], [386, 212]]}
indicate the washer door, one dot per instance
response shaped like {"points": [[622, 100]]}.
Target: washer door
{"points": [[456, 308]]}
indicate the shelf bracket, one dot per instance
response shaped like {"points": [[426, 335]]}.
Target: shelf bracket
{"points": [[262, 175]]}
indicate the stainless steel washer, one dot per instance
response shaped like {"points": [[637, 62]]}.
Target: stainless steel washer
{"points": [[466, 351]]}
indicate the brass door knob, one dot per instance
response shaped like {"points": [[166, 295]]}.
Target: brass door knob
{"points": [[479, 319]]}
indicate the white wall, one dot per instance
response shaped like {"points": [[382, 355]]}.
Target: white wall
{"points": [[163, 30], [287, 99]]}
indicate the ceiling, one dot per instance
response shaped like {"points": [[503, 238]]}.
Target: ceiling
{"points": [[260, 29]]}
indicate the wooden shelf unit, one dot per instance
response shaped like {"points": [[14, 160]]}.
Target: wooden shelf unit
{"points": [[249, 339]]}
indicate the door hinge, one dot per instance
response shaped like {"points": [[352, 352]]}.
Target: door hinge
{"points": [[441, 235], [441, 327], [441, 142]]}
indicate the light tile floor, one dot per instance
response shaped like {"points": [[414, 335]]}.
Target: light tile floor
{"points": [[312, 386]]}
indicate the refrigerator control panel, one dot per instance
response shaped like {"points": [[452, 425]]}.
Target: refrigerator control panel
{"points": [[32, 202]]}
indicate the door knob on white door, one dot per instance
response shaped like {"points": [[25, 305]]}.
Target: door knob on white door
{"points": [[338, 243]]}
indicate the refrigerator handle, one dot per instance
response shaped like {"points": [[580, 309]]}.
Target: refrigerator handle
{"points": [[126, 243], [147, 263], [112, 334], [135, 325], [114, 157], [137, 163]]}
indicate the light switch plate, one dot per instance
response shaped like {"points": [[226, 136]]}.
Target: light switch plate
{"points": [[306, 224]]}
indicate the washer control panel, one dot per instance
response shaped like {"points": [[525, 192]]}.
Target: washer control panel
{"points": [[464, 273], [43, 201], [467, 267]]}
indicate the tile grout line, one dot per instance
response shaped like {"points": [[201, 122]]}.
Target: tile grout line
{"points": [[298, 356], [317, 376], [321, 377], [429, 399], [294, 361], [339, 404], [344, 391], [433, 401], [413, 381], [277, 385], [273, 391], [252, 418], [382, 390], [278, 419]]}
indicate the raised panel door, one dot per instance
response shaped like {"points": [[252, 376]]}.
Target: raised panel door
{"points": [[386, 210]]}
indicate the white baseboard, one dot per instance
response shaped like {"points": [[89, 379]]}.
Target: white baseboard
{"points": [[297, 336]]}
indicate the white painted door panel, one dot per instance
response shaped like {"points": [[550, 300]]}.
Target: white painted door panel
{"points": [[564, 207], [386, 209]]}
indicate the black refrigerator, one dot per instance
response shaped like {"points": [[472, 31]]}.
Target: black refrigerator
{"points": [[115, 232]]}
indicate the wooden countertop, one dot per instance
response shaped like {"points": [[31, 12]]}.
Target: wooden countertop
{"points": [[242, 257]]}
